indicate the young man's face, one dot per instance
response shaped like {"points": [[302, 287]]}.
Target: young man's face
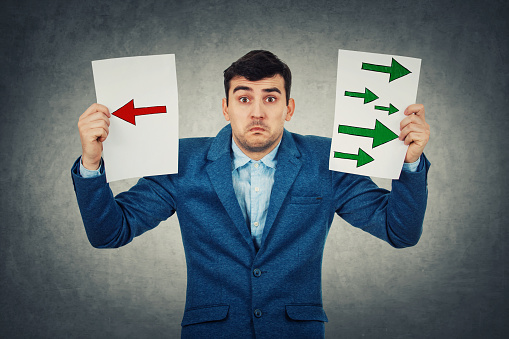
{"points": [[257, 112]]}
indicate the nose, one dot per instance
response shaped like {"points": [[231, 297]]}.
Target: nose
{"points": [[258, 111]]}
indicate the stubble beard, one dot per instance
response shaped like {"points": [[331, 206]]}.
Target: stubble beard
{"points": [[257, 146]]}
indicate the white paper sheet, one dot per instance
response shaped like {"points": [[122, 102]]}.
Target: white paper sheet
{"points": [[360, 73], [150, 145]]}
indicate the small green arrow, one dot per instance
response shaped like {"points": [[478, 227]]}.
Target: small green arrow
{"points": [[395, 69], [362, 157], [367, 95], [380, 133], [391, 109]]}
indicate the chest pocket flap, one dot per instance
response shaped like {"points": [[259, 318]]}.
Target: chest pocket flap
{"points": [[305, 200]]}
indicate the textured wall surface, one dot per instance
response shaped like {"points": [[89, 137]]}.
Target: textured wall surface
{"points": [[453, 284]]}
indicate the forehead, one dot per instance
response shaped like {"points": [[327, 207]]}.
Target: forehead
{"points": [[276, 81]]}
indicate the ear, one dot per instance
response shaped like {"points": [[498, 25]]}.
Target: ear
{"points": [[225, 110], [290, 109]]}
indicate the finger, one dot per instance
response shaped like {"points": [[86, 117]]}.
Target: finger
{"points": [[411, 128], [417, 139], [96, 134], [412, 119], [96, 108], [103, 135], [414, 133], [91, 130], [409, 138], [96, 116], [94, 125], [413, 123], [417, 109], [86, 122]]}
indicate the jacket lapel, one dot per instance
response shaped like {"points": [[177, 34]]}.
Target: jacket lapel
{"points": [[219, 170], [287, 169]]}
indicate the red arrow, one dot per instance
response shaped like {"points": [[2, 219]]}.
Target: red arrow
{"points": [[128, 112]]}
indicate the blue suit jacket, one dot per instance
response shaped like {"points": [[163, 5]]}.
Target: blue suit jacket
{"points": [[232, 289]]}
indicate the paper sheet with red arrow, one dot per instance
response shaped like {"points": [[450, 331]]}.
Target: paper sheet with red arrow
{"points": [[372, 93], [141, 94]]}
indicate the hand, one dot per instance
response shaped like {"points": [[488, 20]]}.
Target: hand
{"points": [[414, 132], [94, 128]]}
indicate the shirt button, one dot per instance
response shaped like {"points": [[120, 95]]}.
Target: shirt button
{"points": [[256, 165], [256, 224], [257, 189], [257, 313], [257, 272]]}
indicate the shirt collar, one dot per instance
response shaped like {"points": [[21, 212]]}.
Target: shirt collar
{"points": [[240, 159]]}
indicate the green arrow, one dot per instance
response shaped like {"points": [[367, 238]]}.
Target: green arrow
{"points": [[367, 95], [380, 133], [362, 157], [395, 69], [391, 109]]}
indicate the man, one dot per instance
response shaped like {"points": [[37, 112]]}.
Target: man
{"points": [[255, 204]]}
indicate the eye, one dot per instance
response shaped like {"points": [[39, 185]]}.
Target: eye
{"points": [[244, 99], [270, 99]]}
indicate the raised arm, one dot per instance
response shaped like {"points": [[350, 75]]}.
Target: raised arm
{"points": [[114, 221], [395, 216]]}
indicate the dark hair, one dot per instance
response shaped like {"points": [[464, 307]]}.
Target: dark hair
{"points": [[257, 65]]}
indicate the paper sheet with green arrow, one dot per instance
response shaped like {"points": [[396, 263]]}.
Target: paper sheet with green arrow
{"points": [[372, 93]]}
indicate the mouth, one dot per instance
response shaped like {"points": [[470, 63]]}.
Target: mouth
{"points": [[257, 130]]}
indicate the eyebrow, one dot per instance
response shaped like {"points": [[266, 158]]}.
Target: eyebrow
{"points": [[246, 88], [273, 89], [242, 88]]}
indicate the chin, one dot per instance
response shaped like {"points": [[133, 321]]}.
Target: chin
{"points": [[259, 145]]}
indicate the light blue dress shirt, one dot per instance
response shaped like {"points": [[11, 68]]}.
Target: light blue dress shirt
{"points": [[252, 182]]}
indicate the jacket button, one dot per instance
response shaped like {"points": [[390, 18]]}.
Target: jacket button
{"points": [[257, 313], [257, 272]]}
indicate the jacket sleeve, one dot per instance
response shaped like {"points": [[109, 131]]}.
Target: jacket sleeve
{"points": [[114, 221], [395, 216]]}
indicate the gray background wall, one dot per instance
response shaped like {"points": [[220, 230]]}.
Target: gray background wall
{"points": [[452, 284]]}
